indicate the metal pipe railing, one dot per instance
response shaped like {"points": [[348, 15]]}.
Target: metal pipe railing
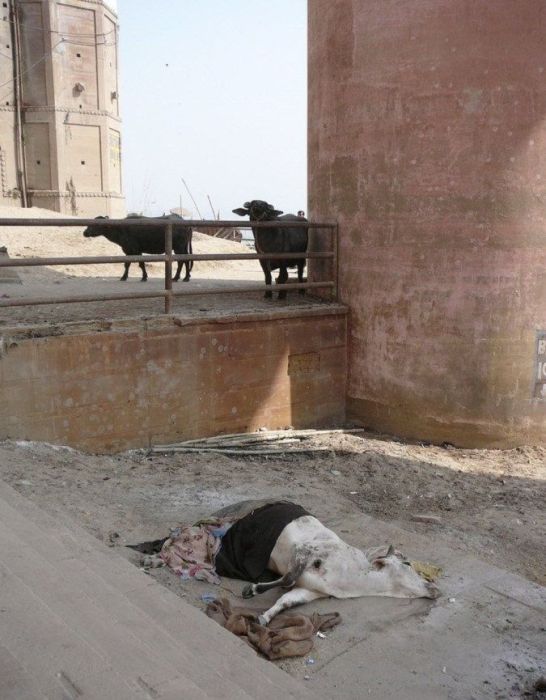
{"points": [[168, 294]]}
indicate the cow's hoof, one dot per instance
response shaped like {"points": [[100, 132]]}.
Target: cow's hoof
{"points": [[176, 279], [249, 591], [186, 279], [123, 279], [262, 621], [144, 279]]}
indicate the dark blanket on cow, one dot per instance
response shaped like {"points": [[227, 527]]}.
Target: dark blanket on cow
{"points": [[247, 545]]}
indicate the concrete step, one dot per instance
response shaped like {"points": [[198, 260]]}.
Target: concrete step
{"points": [[130, 630], [15, 682], [83, 579]]}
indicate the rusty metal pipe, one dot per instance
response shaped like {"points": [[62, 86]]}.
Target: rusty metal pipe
{"points": [[35, 301], [193, 223], [168, 268], [96, 260]]}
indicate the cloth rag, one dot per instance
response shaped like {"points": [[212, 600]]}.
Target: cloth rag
{"points": [[288, 634]]}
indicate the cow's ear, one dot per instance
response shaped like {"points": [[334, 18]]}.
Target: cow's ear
{"points": [[240, 211], [276, 212], [379, 564]]}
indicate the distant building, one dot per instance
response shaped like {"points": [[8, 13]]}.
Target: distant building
{"points": [[60, 127]]}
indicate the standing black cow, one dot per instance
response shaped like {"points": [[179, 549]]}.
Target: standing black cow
{"points": [[136, 240], [276, 240]]}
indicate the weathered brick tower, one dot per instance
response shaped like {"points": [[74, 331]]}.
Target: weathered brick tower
{"points": [[427, 140], [60, 138]]}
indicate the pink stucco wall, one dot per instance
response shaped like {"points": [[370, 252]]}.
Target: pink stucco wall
{"points": [[427, 141]]}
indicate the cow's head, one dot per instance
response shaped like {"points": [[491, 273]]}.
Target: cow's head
{"points": [[338, 569], [258, 210], [399, 577], [94, 231]]}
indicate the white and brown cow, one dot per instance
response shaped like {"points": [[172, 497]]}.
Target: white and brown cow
{"points": [[260, 538], [314, 563]]}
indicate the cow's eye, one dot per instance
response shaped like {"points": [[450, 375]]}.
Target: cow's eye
{"points": [[407, 563], [317, 563]]}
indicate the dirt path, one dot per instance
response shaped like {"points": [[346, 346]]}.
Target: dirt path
{"points": [[490, 502]]}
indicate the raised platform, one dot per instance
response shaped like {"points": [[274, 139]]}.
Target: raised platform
{"points": [[110, 385]]}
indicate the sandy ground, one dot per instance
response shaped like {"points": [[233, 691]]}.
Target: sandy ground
{"points": [[490, 504]]}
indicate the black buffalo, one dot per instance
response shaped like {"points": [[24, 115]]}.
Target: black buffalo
{"points": [[275, 239], [136, 240]]}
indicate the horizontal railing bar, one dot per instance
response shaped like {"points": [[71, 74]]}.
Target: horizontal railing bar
{"points": [[248, 288], [150, 295], [104, 259], [35, 301], [161, 223]]}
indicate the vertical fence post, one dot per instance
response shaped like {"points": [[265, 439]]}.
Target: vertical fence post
{"points": [[335, 263], [168, 268]]}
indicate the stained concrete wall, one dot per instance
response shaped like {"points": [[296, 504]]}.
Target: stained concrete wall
{"points": [[427, 140], [113, 386], [70, 107]]}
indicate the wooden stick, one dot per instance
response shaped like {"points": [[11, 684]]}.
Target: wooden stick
{"points": [[265, 435], [229, 451]]}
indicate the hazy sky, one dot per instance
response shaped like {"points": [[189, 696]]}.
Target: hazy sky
{"points": [[215, 92]]}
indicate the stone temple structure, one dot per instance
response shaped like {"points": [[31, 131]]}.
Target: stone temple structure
{"points": [[60, 128]]}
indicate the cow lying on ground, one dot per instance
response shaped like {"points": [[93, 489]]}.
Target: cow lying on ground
{"points": [[276, 240], [136, 240], [307, 558]]}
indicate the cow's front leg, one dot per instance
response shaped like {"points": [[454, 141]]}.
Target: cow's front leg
{"points": [[267, 274], [282, 279], [297, 596], [123, 278], [178, 270]]}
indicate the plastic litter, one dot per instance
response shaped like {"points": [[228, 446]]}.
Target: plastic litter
{"points": [[321, 635], [309, 662], [208, 597]]}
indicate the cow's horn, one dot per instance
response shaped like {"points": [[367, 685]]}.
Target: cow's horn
{"points": [[246, 205], [390, 551]]}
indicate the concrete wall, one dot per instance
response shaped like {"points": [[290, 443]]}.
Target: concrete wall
{"points": [[70, 98], [427, 140], [119, 385]]}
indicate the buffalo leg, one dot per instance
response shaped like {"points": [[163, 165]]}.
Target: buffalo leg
{"points": [[123, 278], [301, 280], [178, 268], [142, 266], [297, 596], [188, 269], [267, 273], [282, 279]]}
